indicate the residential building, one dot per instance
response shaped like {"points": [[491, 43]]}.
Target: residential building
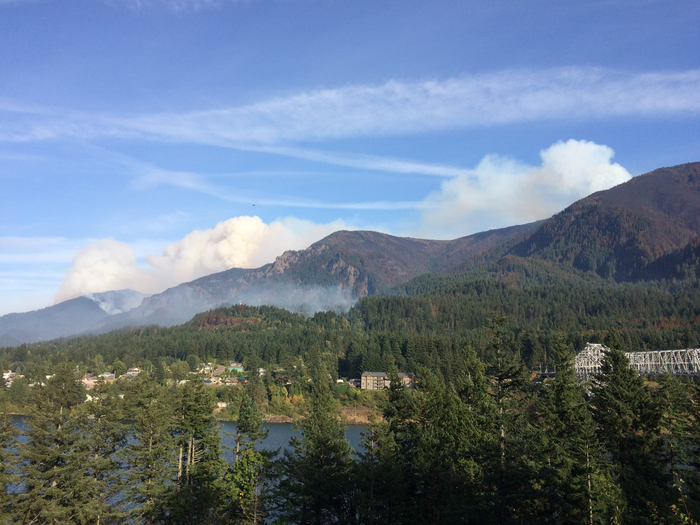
{"points": [[235, 366], [380, 380]]}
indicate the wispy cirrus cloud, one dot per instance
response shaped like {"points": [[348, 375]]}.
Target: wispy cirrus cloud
{"points": [[392, 108], [400, 108], [174, 5], [151, 177]]}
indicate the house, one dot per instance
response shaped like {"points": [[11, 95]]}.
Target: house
{"points": [[8, 377], [407, 379], [89, 381], [374, 381], [107, 376], [380, 380], [133, 372], [235, 366], [220, 370]]}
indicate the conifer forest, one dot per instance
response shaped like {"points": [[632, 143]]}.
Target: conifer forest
{"points": [[484, 437]]}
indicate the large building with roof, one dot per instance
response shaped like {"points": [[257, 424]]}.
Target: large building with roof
{"points": [[380, 380]]}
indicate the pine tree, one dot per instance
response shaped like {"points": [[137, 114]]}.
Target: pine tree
{"points": [[104, 436], [443, 485], [244, 486], [679, 446], [380, 489], [316, 485], [200, 465], [8, 464], [55, 488], [509, 474], [249, 429], [576, 484], [478, 431], [150, 459], [628, 426]]}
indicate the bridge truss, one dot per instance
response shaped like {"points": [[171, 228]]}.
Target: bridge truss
{"points": [[675, 362]]}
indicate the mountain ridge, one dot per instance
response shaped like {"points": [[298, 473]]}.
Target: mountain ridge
{"points": [[645, 229]]}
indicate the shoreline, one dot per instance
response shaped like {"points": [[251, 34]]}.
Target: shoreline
{"points": [[359, 416]]}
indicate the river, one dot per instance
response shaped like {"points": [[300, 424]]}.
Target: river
{"points": [[278, 436]]}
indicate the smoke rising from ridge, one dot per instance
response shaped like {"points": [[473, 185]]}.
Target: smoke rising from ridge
{"points": [[502, 191], [241, 242], [499, 192]]}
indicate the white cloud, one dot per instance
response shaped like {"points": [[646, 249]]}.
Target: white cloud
{"points": [[150, 177], [173, 5], [403, 108], [502, 192], [392, 108], [242, 242], [499, 192]]}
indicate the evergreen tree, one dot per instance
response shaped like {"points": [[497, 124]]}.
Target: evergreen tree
{"points": [[249, 429], [200, 465], [576, 484], [244, 486], [380, 489], [104, 436], [8, 464], [316, 485], [55, 487], [442, 487], [477, 436], [679, 444], [150, 459], [509, 475], [628, 425]]}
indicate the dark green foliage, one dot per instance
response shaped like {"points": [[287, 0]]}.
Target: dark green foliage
{"points": [[8, 464], [245, 485], [103, 438], [381, 496], [509, 474], [628, 426], [150, 459], [61, 476], [249, 430], [576, 484], [200, 465], [316, 470]]}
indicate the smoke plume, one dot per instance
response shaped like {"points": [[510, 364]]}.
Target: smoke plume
{"points": [[242, 242], [501, 191]]}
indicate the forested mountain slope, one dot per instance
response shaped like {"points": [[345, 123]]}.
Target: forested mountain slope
{"points": [[645, 229], [329, 275], [67, 318], [637, 230]]}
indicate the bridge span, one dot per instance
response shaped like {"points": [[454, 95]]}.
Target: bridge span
{"points": [[684, 362]]}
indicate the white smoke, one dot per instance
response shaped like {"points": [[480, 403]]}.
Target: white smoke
{"points": [[501, 191], [242, 242]]}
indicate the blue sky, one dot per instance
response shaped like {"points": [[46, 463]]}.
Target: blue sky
{"points": [[145, 143]]}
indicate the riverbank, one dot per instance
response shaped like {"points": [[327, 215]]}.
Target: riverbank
{"points": [[350, 415]]}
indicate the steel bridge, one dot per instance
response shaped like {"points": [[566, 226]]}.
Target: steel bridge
{"points": [[684, 362]]}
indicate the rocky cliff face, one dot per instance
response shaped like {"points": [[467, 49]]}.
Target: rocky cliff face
{"points": [[647, 228]]}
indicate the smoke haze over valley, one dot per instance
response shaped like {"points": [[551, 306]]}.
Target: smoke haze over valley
{"points": [[148, 144]]}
